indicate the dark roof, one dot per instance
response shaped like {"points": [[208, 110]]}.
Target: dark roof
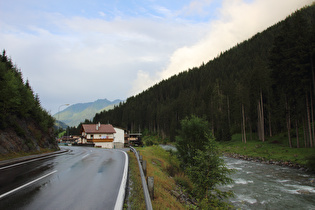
{"points": [[103, 128]]}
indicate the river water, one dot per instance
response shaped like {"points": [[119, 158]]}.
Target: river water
{"points": [[262, 186]]}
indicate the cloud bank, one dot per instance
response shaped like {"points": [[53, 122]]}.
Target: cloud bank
{"points": [[237, 21], [85, 51]]}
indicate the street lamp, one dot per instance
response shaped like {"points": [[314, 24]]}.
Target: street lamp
{"points": [[59, 114]]}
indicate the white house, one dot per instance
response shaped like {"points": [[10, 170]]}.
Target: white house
{"points": [[102, 135], [119, 138]]}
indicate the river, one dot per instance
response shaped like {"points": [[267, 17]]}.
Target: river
{"points": [[262, 186]]}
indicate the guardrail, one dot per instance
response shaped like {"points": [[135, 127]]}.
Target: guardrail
{"points": [[147, 198]]}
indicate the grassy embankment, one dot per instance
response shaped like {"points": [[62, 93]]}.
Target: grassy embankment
{"points": [[164, 167], [167, 174], [275, 149]]}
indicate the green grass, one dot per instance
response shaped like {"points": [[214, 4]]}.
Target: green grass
{"points": [[164, 167], [136, 198], [61, 134], [150, 140], [275, 148]]}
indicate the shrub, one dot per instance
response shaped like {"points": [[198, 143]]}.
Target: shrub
{"points": [[310, 162]]}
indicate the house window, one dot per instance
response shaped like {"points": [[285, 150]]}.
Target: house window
{"points": [[91, 136]]}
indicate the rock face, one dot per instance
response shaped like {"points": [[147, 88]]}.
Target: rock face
{"points": [[26, 136]]}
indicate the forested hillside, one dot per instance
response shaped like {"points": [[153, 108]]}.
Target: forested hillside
{"points": [[24, 125], [263, 86]]}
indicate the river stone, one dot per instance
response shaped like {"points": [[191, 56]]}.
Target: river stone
{"points": [[305, 192]]}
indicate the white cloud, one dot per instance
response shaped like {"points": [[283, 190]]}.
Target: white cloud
{"points": [[237, 21], [72, 59], [84, 59], [143, 81], [102, 14], [163, 11], [197, 7]]}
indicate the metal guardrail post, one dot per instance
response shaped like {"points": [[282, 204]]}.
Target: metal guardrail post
{"points": [[147, 198]]}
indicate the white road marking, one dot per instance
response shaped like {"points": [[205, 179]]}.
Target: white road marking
{"points": [[85, 156], [27, 161], [16, 164], [29, 183], [121, 193]]}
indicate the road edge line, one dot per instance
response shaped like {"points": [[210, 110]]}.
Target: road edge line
{"points": [[29, 183], [122, 190]]}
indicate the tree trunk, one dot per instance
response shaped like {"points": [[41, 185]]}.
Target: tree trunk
{"points": [[297, 134], [313, 75], [259, 121], [250, 130], [270, 131], [309, 122], [228, 105], [244, 130], [261, 124], [288, 123], [262, 117], [304, 132], [312, 123]]}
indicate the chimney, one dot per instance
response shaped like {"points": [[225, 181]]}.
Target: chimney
{"points": [[99, 124], [97, 127]]}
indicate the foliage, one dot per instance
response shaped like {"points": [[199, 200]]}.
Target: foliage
{"points": [[208, 171], [310, 162], [192, 137], [18, 99], [150, 140], [267, 80], [26, 126], [198, 152]]}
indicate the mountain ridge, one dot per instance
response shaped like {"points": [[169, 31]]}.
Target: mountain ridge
{"points": [[77, 113]]}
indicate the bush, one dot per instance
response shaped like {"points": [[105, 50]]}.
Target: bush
{"points": [[199, 154], [310, 162]]}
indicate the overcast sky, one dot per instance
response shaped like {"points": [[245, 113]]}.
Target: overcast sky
{"points": [[75, 51]]}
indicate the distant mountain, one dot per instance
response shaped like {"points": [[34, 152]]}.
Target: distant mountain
{"points": [[76, 113], [59, 124]]}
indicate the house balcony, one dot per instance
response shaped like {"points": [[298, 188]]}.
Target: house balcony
{"points": [[100, 140]]}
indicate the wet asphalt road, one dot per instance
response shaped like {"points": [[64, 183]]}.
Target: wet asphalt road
{"points": [[84, 178]]}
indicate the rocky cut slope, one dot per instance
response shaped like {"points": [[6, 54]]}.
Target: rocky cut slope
{"points": [[26, 136]]}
